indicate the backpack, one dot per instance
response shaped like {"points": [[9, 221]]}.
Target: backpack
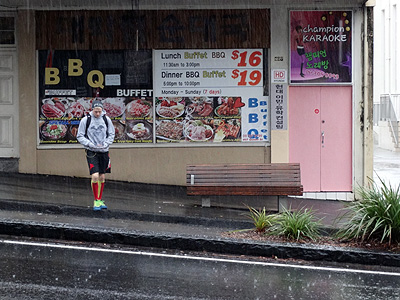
{"points": [[89, 119]]}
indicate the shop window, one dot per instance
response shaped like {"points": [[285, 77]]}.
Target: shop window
{"points": [[7, 31]]}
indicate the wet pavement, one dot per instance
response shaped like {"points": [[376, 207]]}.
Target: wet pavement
{"points": [[387, 166], [35, 270], [164, 216]]}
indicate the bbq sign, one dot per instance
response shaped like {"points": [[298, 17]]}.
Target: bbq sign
{"points": [[210, 95], [199, 96], [71, 80], [95, 78]]}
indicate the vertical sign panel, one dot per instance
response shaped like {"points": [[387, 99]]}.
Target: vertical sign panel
{"points": [[279, 106]]}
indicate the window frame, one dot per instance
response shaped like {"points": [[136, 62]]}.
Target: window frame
{"points": [[14, 45]]}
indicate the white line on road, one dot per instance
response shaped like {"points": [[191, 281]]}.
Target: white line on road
{"points": [[73, 247]]}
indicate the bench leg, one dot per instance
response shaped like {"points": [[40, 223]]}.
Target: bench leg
{"points": [[205, 202], [282, 203]]}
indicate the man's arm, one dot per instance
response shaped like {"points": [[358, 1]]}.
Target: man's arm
{"points": [[81, 134], [111, 132]]}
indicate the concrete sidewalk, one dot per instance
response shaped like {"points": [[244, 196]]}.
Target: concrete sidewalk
{"points": [[387, 166], [152, 216]]}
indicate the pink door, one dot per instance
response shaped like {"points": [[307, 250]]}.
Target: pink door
{"points": [[320, 136]]}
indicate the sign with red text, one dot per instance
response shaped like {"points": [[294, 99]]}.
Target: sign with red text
{"points": [[279, 76], [212, 95]]}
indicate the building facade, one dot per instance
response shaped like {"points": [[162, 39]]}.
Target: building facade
{"points": [[253, 82], [386, 74]]}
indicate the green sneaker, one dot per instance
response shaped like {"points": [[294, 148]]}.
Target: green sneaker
{"points": [[97, 205], [102, 204]]}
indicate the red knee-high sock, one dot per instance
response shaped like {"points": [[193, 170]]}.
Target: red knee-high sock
{"points": [[101, 188], [95, 189]]}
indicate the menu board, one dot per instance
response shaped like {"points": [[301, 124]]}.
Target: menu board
{"points": [[200, 96], [210, 96]]}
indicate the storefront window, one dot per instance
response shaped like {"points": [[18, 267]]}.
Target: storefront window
{"points": [[190, 78], [7, 31]]}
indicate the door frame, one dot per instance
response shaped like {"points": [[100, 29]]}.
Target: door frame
{"points": [[10, 111]]}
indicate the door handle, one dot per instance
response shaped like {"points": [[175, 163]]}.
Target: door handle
{"points": [[323, 137]]}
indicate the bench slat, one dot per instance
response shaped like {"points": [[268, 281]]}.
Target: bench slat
{"points": [[244, 172], [250, 191], [234, 165], [219, 168], [244, 183]]}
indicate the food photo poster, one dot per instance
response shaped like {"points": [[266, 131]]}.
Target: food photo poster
{"points": [[160, 96]]}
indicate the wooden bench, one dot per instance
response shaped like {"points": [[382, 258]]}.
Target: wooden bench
{"points": [[277, 179]]}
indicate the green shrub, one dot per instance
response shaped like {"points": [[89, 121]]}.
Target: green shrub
{"points": [[261, 219], [298, 224], [376, 215]]}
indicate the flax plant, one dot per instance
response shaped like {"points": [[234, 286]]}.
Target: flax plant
{"points": [[376, 215], [297, 224], [261, 219]]}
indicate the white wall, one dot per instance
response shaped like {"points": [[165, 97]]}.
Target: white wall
{"points": [[386, 48], [386, 64]]}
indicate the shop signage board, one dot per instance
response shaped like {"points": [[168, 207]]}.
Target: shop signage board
{"points": [[321, 47], [208, 96], [202, 96], [279, 113], [69, 81], [279, 99]]}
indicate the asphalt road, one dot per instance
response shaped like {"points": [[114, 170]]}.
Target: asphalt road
{"points": [[37, 270]]}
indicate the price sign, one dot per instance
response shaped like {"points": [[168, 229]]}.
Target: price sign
{"points": [[253, 78], [192, 70], [245, 59], [222, 85]]}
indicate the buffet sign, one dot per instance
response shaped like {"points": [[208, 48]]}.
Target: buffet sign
{"points": [[71, 80], [201, 96], [209, 96]]}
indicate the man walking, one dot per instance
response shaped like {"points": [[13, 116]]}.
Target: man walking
{"points": [[96, 133]]}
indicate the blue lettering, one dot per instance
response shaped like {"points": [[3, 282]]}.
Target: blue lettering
{"points": [[253, 102], [253, 118], [253, 134]]}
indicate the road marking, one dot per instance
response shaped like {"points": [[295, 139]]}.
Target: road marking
{"points": [[189, 257]]}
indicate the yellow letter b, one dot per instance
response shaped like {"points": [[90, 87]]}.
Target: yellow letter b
{"points": [[51, 76], [75, 67]]}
